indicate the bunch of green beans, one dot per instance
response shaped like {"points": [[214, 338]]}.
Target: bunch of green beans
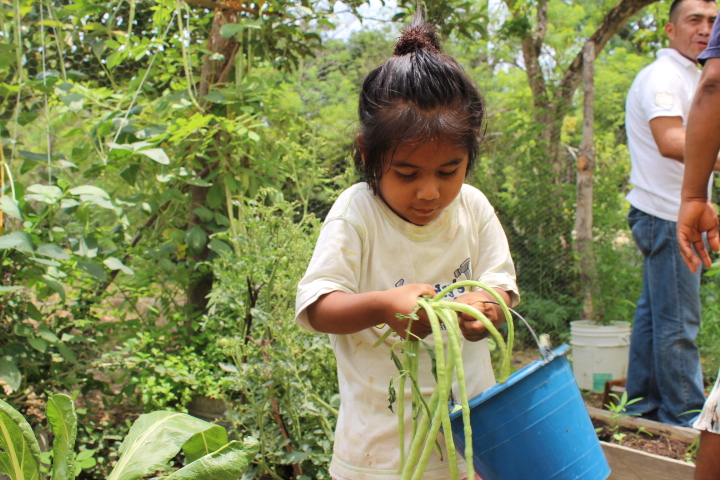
{"points": [[429, 417]]}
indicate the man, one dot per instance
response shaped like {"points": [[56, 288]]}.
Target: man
{"points": [[664, 368], [697, 216]]}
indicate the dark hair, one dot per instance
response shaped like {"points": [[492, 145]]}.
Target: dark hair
{"points": [[419, 94], [674, 6]]}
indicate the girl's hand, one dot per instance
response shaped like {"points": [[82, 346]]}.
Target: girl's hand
{"points": [[403, 300], [473, 329]]}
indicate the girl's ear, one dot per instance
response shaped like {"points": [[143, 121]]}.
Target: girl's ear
{"points": [[360, 140]]}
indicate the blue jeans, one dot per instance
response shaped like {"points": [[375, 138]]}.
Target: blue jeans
{"points": [[664, 368]]}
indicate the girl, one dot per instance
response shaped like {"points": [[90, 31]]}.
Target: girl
{"points": [[409, 230]]}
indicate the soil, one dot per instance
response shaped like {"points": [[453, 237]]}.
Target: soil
{"points": [[648, 443], [655, 444]]}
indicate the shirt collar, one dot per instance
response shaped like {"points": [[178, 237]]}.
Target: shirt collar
{"points": [[421, 232], [677, 57]]}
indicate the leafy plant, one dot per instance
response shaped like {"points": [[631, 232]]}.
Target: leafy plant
{"points": [[284, 385], [167, 375], [153, 439], [617, 411]]}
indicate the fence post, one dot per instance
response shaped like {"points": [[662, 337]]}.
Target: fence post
{"points": [[584, 207]]}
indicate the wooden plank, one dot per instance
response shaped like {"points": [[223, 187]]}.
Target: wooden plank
{"points": [[683, 434], [629, 464]]}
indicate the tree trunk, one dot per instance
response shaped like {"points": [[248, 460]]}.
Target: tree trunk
{"points": [[551, 107], [584, 208], [213, 73]]}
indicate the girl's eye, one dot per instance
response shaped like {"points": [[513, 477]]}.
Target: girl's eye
{"points": [[405, 176], [448, 174]]}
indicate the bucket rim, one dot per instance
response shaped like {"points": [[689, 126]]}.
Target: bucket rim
{"points": [[512, 380], [623, 324]]}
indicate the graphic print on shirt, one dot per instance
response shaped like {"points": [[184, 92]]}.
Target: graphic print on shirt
{"points": [[463, 269]]}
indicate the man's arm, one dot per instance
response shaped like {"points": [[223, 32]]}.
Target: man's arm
{"points": [[701, 152], [702, 139], [669, 135]]}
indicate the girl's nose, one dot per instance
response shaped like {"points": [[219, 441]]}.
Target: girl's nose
{"points": [[428, 191]]}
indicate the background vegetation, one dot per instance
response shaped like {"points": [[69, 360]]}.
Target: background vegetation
{"points": [[165, 167]]}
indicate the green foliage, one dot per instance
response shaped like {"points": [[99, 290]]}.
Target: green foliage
{"points": [[620, 404], [146, 172], [278, 366], [40, 349], [124, 181], [168, 375], [617, 409], [465, 18], [547, 316], [153, 439], [708, 339]]}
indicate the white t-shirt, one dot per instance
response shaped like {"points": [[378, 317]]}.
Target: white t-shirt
{"points": [[665, 88], [364, 246]]}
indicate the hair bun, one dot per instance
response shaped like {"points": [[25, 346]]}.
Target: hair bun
{"points": [[417, 38]]}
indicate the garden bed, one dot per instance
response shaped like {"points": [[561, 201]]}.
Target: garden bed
{"points": [[638, 449]]}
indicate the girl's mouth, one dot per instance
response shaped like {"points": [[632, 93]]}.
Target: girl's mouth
{"points": [[424, 211]]}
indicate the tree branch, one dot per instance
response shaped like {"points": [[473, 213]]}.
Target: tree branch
{"points": [[531, 48], [235, 6], [614, 20], [542, 23]]}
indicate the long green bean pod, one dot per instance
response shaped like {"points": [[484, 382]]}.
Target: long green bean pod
{"points": [[418, 440], [454, 344], [401, 402], [505, 366], [445, 369], [417, 394], [442, 387], [429, 417]]}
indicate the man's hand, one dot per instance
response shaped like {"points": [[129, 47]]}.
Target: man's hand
{"points": [[695, 218]]}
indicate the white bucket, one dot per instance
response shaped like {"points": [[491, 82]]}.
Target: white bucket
{"points": [[599, 352]]}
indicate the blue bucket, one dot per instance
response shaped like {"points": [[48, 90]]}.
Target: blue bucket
{"points": [[535, 426]]}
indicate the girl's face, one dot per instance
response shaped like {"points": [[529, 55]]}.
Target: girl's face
{"points": [[422, 180]]}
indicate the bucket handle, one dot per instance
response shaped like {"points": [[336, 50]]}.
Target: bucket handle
{"points": [[543, 343]]}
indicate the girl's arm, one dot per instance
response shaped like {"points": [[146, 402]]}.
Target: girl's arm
{"points": [[473, 329], [344, 313]]}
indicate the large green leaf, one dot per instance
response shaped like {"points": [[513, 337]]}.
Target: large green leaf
{"points": [[157, 154], [10, 289], [228, 463], [98, 200], [19, 449], [205, 442], [54, 285], [90, 190], [7, 54], [53, 251], [44, 193], [19, 240], [195, 238], [61, 416], [10, 206], [115, 264], [10, 373], [74, 101], [93, 268], [231, 29], [153, 439]]}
